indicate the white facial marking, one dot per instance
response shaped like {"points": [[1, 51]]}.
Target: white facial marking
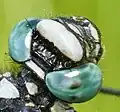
{"points": [[74, 17], [30, 104], [7, 89], [74, 29], [7, 74], [32, 88], [28, 39], [86, 21], [97, 49], [72, 74], [64, 40], [94, 32], [36, 69]]}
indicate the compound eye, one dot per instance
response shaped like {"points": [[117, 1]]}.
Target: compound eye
{"points": [[77, 84], [20, 39]]}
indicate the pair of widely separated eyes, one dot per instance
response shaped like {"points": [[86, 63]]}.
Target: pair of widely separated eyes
{"points": [[63, 39]]}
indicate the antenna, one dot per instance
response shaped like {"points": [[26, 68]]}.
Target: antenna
{"points": [[29, 23], [110, 91]]}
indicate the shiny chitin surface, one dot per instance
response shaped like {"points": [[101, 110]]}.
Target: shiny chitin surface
{"points": [[63, 52], [75, 85]]}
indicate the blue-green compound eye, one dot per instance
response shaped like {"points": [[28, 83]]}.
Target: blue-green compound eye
{"points": [[17, 48], [75, 85]]}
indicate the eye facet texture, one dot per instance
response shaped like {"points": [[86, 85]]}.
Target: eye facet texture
{"points": [[17, 45], [75, 85]]}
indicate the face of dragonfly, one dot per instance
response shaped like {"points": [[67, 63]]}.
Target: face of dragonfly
{"points": [[64, 52]]}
